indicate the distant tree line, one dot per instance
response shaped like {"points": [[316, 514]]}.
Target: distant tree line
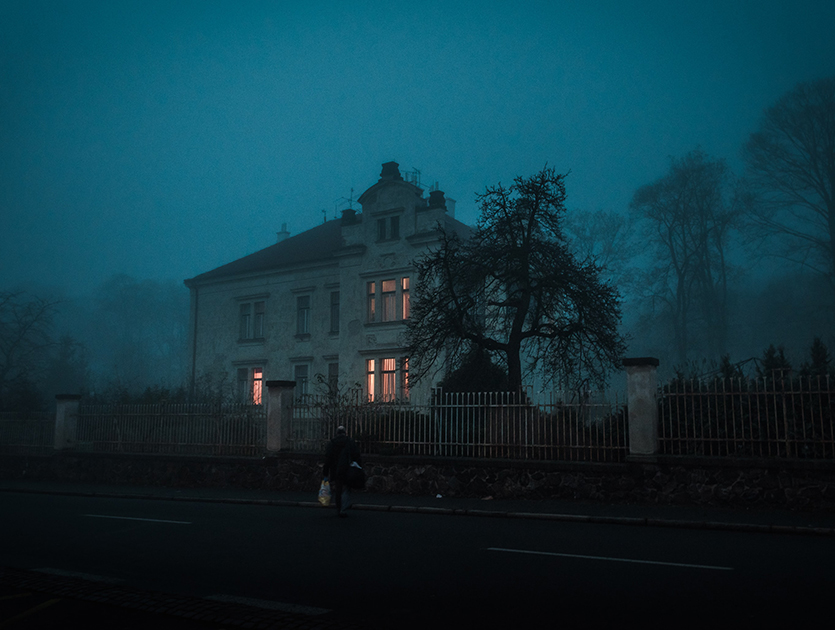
{"points": [[127, 341]]}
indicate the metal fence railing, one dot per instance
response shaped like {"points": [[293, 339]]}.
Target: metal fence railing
{"points": [[775, 417], [490, 425], [30, 433], [190, 429]]}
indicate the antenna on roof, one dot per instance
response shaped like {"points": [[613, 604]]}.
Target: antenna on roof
{"points": [[341, 202]]}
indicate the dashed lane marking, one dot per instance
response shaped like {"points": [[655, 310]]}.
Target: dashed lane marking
{"points": [[77, 574], [136, 518], [28, 613], [582, 557]]}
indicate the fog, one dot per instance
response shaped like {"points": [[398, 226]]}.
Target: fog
{"points": [[142, 143]]}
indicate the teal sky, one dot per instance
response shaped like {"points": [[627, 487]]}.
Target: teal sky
{"points": [[164, 138]]}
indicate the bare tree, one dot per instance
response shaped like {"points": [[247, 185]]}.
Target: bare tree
{"points": [[515, 290], [688, 214], [791, 167], [607, 239], [25, 337]]}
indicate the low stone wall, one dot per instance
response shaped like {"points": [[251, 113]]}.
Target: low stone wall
{"points": [[802, 485]]}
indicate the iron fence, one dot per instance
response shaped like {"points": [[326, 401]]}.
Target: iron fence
{"points": [[775, 417], [490, 425], [30, 433], [189, 429]]}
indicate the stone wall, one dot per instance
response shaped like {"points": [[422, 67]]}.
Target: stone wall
{"points": [[803, 485]]}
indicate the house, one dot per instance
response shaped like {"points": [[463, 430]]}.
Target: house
{"points": [[327, 307]]}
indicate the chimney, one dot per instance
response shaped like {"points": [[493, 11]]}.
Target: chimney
{"points": [[349, 216], [450, 207], [284, 234], [391, 170], [436, 199]]}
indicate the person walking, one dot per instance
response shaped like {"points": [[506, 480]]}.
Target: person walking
{"points": [[341, 451]]}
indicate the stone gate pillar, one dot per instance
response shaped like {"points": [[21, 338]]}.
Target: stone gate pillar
{"points": [[66, 420], [641, 391], [279, 413]]}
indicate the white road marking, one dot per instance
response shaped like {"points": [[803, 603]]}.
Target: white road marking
{"points": [[77, 574], [269, 604], [134, 518], [572, 555]]}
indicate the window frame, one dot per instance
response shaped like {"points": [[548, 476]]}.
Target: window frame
{"points": [[388, 306], [252, 318], [303, 315]]}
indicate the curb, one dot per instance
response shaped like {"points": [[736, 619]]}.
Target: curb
{"points": [[567, 518]]}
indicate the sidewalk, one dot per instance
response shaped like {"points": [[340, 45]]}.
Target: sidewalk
{"points": [[687, 516]]}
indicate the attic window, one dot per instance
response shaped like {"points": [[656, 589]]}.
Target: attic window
{"points": [[388, 228]]}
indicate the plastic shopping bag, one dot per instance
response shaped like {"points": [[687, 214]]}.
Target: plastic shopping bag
{"points": [[325, 493]]}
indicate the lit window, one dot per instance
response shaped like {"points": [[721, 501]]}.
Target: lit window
{"points": [[250, 385], [404, 297], [257, 384], [389, 296], [404, 379], [303, 315], [389, 392], [369, 378]]}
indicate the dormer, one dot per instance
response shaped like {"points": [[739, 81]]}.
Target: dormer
{"points": [[395, 209]]}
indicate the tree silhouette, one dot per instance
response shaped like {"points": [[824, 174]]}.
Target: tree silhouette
{"points": [[515, 290]]}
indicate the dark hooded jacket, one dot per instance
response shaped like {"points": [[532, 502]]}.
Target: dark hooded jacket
{"points": [[341, 451]]}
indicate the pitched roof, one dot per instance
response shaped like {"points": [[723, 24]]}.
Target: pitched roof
{"points": [[316, 244]]}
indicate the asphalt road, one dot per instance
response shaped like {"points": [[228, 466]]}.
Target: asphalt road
{"points": [[408, 570]]}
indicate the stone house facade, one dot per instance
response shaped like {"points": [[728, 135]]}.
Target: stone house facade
{"points": [[325, 308]]}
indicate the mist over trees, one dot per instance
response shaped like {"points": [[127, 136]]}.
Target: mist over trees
{"points": [[129, 336], [687, 217], [790, 164]]}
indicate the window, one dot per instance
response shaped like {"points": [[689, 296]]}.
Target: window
{"points": [[301, 374], [370, 372], [372, 301], [303, 315], [258, 322], [404, 297], [389, 288], [388, 392], [393, 300], [384, 381], [334, 311], [251, 385], [333, 377], [404, 378], [251, 320], [257, 385], [388, 228], [246, 316]]}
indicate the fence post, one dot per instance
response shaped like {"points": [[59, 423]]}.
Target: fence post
{"points": [[642, 391], [279, 413], [66, 420]]}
